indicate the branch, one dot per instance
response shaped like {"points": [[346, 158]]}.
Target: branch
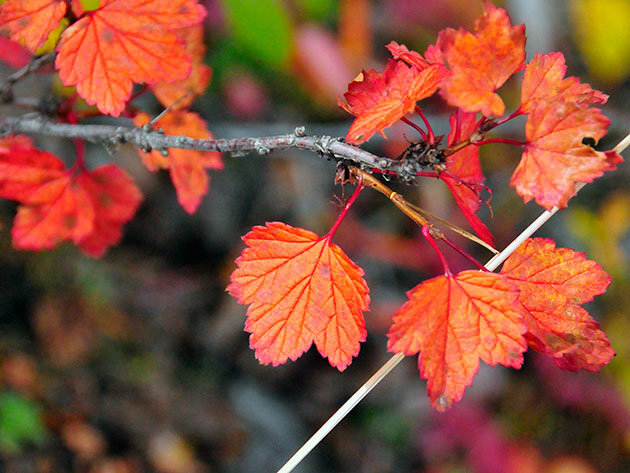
{"points": [[6, 94], [147, 139]]}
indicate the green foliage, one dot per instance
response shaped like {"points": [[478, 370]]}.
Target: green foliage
{"points": [[263, 28], [20, 422], [90, 5], [318, 10]]}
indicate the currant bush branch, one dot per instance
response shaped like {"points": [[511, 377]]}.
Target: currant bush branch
{"points": [[147, 140], [6, 92]]}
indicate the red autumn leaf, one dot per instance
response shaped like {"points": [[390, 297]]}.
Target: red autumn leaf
{"points": [[453, 321], [380, 100], [544, 80], [464, 177], [300, 289], [181, 94], [115, 199], [555, 158], [25, 171], [400, 51], [13, 53], [481, 63], [30, 21], [60, 204], [187, 167], [552, 283], [123, 42]]}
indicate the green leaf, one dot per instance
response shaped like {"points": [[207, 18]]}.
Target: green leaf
{"points": [[90, 5], [318, 10], [20, 422], [263, 28]]}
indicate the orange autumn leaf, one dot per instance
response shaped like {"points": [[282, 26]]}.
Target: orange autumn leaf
{"points": [[453, 322], [123, 42], [553, 282], [464, 177], [380, 100], [481, 63], [86, 207], [400, 51], [187, 167], [544, 80], [30, 21], [180, 94], [555, 158], [300, 289]]}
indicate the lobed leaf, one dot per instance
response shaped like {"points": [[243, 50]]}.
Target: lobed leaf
{"points": [[544, 80], [453, 322], [187, 167], [552, 283], [300, 289], [123, 42], [380, 100], [481, 63], [29, 22], [555, 158]]}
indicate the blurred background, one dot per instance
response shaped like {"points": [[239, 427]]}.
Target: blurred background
{"points": [[138, 362]]}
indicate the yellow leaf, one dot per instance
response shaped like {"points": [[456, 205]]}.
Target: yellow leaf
{"points": [[601, 31], [53, 38]]}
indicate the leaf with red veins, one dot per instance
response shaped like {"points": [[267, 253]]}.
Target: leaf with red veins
{"points": [[29, 22], [115, 199], [454, 321], [464, 177], [569, 335], [555, 158], [544, 80], [300, 289], [552, 283], [188, 168], [123, 42], [481, 63], [380, 100], [559, 270]]}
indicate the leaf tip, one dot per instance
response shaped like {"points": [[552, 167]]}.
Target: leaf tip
{"points": [[442, 403]]}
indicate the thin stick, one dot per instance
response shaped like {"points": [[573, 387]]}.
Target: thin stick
{"points": [[168, 109], [343, 411], [455, 228], [398, 357]]}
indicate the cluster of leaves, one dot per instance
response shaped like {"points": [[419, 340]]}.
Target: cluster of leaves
{"points": [[102, 51], [301, 288]]}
